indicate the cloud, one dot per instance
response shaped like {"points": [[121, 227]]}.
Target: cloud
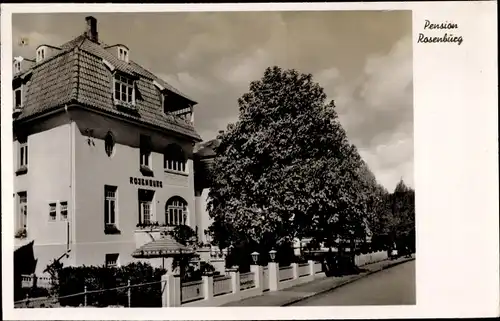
{"points": [[188, 83], [389, 77], [392, 159], [380, 117], [376, 108], [240, 71], [34, 39]]}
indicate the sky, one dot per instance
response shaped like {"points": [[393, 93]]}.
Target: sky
{"points": [[363, 60]]}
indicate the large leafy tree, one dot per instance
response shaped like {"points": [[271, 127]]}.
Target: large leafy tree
{"points": [[286, 169]]}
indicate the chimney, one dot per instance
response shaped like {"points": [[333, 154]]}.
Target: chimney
{"points": [[91, 30]]}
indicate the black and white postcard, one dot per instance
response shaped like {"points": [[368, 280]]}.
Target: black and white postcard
{"points": [[340, 158]]}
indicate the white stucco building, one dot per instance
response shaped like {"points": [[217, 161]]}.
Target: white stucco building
{"points": [[103, 152]]}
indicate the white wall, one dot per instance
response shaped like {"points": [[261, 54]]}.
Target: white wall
{"points": [[47, 181], [94, 170], [203, 217], [52, 144]]}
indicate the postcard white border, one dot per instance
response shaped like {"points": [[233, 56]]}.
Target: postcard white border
{"points": [[456, 168]]}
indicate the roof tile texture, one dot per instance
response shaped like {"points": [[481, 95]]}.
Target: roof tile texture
{"points": [[77, 74]]}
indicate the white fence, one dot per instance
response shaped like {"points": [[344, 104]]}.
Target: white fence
{"points": [[303, 269], [285, 273], [247, 280], [192, 291], [364, 259], [218, 290], [317, 268], [222, 285]]}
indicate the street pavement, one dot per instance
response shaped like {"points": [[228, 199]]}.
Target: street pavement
{"points": [[393, 286], [305, 292]]}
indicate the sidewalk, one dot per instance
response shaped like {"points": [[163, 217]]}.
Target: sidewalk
{"points": [[322, 284]]}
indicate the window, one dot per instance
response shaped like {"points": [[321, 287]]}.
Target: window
{"points": [[176, 211], [18, 98], [110, 205], [174, 159], [124, 89], [146, 212], [23, 210], [123, 54], [112, 260], [176, 165], [17, 66], [64, 210], [23, 154], [145, 150], [40, 54], [52, 211], [109, 144], [146, 206]]}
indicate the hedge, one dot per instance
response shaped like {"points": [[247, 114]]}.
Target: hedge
{"points": [[74, 279]]}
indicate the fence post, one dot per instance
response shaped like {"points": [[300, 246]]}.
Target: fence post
{"points": [[258, 276], [208, 286], [295, 271], [129, 294], [84, 295], [274, 279], [177, 290], [164, 290], [171, 290], [235, 279], [311, 267]]}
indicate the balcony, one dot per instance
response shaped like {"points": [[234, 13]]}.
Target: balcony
{"points": [[145, 233]]}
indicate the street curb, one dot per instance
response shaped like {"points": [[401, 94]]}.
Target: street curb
{"points": [[393, 264]]}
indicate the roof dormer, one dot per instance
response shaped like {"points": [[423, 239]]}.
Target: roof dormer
{"points": [[123, 53], [18, 65], [119, 51], [45, 51], [40, 53], [21, 65]]}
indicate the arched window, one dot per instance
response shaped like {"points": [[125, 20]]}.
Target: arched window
{"points": [[176, 211], [109, 144], [174, 159]]}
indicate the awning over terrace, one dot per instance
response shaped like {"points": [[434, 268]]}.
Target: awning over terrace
{"points": [[161, 248]]}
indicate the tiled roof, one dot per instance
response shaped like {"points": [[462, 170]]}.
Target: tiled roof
{"points": [[77, 74], [207, 149]]}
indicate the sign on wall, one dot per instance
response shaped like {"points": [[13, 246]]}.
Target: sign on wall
{"points": [[146, 182]]}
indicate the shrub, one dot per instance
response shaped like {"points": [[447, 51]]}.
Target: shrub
{"points": [[74, 279], [195, 274], [34, 292]]}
